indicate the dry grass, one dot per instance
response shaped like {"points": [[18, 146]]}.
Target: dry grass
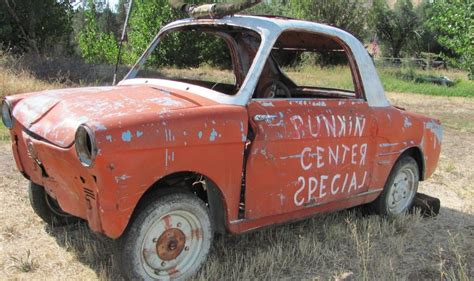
{"points": [[337, 246], [12, 83]]}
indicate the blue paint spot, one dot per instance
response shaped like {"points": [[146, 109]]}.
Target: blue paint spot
{"points": [[108, 138], [213, 135], [200, 134], [127, 136], [139, 134], [100, 127]]}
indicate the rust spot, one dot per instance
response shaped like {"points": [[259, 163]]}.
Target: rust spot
{"points": [[111, 167], [167, 220], [196, 233], [173, 271], [170, 244]]}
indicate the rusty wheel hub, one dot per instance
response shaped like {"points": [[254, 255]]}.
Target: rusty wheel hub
{"points": [[170, 244]]}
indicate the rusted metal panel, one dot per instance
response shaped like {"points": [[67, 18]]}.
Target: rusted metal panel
{"points": [[319, 151]]}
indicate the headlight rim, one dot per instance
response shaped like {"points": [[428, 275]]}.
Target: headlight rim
{"points": [[86, 157], [10, 113]]}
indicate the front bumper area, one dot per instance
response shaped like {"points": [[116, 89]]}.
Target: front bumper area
{"points": [[59, 171]]}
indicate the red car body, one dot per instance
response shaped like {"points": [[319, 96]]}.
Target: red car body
{"points": [[305, 156]]}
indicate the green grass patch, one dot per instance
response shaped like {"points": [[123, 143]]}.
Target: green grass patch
{"points": [[394, 81], [4, 133]]}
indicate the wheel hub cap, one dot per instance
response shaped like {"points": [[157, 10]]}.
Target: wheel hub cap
{"points": [[170, 244], [403, 191]]}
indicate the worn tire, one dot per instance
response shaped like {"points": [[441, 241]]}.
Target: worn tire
{"points": [[399, 190], [47, 208], [146, 248]]}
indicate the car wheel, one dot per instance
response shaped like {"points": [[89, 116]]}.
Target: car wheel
{"points": [[400, 188], [169, 238], [47, 208]]}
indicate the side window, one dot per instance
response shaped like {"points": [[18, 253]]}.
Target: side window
{"points": [[312, 65]]}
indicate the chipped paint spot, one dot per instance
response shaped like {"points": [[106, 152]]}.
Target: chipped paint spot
{"points": [[388, 144], [127, 136], [267, 104], [99, 127], [108, 138], [436, 129], [166, 101], [139, 134], [319, 103], [213, 135], [200, 134], [121, 178], [407, 123]]}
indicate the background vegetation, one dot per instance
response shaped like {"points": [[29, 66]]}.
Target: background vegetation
{"points": [[84, 33]]}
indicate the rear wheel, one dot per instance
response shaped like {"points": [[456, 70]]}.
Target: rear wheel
{"points": [[400, 188], [169, 238], [47, 208]]}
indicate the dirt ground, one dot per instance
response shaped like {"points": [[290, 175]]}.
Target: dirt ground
{"points": [[340, 246]]}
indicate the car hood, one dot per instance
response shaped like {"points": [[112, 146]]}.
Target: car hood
{"points": [[55, 115]]}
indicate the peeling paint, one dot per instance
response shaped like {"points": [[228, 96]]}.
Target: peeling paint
{"points": [[99, 127], [121, 178], [267, 104], [200, 134], [436, 129], [127, 136], [213, 135], [407, 123], [139, 134], [108, 138]]}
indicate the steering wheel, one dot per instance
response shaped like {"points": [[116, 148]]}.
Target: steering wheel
{"points": [[276, 89]]}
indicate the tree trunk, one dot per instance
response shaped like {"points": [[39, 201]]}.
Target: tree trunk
{"points": [[31, 41]]}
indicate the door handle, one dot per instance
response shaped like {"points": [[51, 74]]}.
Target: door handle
{"points": [[264, 117]]}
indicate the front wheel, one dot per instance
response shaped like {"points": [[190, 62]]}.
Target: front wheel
{"points": [[169, 238], [400, 189]]}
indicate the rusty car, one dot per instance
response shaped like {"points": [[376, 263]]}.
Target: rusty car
{"points": [[163, 161]]}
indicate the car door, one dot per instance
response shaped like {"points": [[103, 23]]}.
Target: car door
{"points": [[307, 152]]}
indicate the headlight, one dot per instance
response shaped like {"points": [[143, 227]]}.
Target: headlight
{"points": [[7, 114], [86, 148]]}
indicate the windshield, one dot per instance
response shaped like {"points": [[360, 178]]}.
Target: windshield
{"points": [[211, 57]]}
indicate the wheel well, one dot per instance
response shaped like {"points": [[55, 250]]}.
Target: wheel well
{"points": [[416, 153], [196, 183]]}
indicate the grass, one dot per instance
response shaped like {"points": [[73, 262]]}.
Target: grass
{"points": [[339, 77], [392, 83]]}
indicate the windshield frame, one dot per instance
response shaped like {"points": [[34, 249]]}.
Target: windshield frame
{"points": [[267, 37]]}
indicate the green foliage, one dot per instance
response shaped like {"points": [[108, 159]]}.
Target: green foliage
{"points": [[146, 20], [96, 46], [453, 22], [37, 26], [348, 15], [396, 27]]}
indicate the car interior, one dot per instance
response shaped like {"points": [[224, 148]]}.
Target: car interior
{"points": [[274, 82]]}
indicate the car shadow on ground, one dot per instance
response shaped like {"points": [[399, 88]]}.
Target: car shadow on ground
{"points": [[97, 252]]}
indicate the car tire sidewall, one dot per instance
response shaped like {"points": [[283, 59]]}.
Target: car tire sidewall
{"points": [[38, 201], [131, 242], [381, 204]]}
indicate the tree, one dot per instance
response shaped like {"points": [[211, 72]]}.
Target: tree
{"points": [[348, 15], [395, 26], [35, 26], [96, 46], [453, 23]]}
